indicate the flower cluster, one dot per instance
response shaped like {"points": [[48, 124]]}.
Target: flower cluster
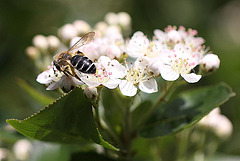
{"points": [[170, 54]]}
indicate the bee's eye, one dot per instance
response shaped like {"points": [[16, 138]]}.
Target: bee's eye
{"points": [[56, 65]]}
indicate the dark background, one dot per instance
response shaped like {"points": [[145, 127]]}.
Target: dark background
{"points": [[217, 21]]}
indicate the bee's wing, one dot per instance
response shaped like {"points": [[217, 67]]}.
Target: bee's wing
{"points": [[82, 41]]}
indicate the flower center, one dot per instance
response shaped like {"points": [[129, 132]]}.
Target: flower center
{"points": [[151, 51], [101, 75], [136, 75], [181, 65]]}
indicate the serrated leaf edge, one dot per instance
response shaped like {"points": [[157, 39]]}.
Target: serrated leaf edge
{"points": [[47, 106]]}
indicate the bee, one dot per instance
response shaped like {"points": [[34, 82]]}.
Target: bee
{"points": [[69, 61]]}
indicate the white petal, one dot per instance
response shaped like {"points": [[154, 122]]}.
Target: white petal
{"points": [[67, 82], [155, 64], [112, 83], [44, 78], [160, 35], [127, 88], [117, 70], [168, 74], [90, 83], [149, 86], [114, 51], [104, 60], [141, 63], [191, 78]]}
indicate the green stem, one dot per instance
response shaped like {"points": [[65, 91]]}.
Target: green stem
{"points": [[126, 150], [101, 125], [149, 112]]}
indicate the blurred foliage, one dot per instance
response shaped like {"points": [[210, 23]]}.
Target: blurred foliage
{"points": [[216, 20]]}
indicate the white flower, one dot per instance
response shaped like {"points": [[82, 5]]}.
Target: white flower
{"points": [[189, 38], [138, 45], [218, 123], [179, 61], [136, 75], [109, 73], [172, 36], [210, 62], [57, 79]]}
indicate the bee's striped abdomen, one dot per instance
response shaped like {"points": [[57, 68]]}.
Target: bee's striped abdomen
{"points": [[83, 64]]}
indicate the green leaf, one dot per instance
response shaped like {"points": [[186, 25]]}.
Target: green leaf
{"points": [[114, 104], [140, 111], [36, 95], [68, 120], [185, 110]]}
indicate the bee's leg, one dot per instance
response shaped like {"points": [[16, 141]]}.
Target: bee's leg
{"points": [[75, 75]]}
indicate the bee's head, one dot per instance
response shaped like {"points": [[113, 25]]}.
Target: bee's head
{"points": [[56, 65]]}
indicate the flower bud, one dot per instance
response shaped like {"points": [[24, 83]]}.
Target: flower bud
{"points": [[40, 42], [22, 149], [173, 36], [111, 18], [73, 41], [82, 27], [114, 52], [53, 42], [210, 62], [124, 19], [225, 129], [91, 92], [100, 28], [67, 32], [218, 123], [4, 154], [112, 30], [32, 52]]}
